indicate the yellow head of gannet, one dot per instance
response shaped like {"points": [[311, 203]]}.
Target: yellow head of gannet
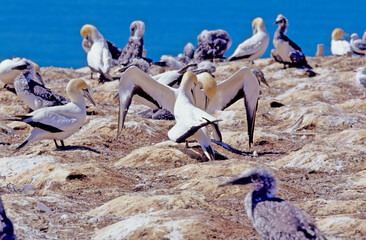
{"points": [[88, 30], [209, 84], [76, 88], [258, 23], [338, 34]]}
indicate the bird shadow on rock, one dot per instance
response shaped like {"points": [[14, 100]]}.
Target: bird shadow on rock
{"points": [[72, 148], [239, 152]]}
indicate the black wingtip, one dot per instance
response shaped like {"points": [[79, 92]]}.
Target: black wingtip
{"points": [[21, 145]]}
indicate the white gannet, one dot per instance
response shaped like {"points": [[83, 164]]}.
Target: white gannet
{"points": [[99, 57], [135, 45], [190, 121], [287, 52], [339, 46], [255, 46], [213, 96], [58, 122], [361, 78], [212, 44], [273, 217], [31, 92], [358, 45], [6, 226], [9, 71]]}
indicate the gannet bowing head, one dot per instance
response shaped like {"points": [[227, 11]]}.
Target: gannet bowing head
{"points": [[209, 84], [260, 178], [338, 34], [137, 29], [258, 23], [88, 30], [74, 87]]}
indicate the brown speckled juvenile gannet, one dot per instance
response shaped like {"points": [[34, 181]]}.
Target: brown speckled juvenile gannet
{"points": [[273, 217]]}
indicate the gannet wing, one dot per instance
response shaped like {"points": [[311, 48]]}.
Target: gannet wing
{"points": [[134, 81], [114, 50], [360, 44], [46, 94], [247, 48], [276, 218], [291, 43], [50, 119], [183, 129], [243, 84]]}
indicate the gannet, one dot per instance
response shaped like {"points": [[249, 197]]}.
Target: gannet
{"points": [[169, 62], [9, 70], [135, 45], [361, 78], [188, 53], [273, 217], [213, 96], [358, 45], [31, 92], [190, 121], [58, 122], [287, 52], [99, 57], [254, 47], [6, 226], [339, 46], [364, 36], [113, 49], [212, 44]]}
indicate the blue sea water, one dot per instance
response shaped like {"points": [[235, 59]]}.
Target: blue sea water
{"points": [[48, 32]]}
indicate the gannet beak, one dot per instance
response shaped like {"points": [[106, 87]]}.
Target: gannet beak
{"points": [[40, 78], [238, 181], [193, 96], [88, 96]]}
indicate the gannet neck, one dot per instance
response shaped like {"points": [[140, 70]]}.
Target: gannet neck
{"points": [[186, 86]]}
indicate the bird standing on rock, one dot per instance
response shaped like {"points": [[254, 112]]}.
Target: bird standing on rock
{"points": [[58, 122], [273, 217], [286, 51], [99, 57], [255, 46]]}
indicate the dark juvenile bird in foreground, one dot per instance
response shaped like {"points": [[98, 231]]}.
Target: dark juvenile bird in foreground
{"points": [[6, 227], [273, 217], [212, 44], [287, 52]]}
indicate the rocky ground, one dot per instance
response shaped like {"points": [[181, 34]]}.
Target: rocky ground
{"points": [[143, 186]]}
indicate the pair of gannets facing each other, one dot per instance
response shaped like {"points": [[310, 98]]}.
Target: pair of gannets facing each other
{"points": [[358, 45], [190, 120], [59, 122], [273, 217], [6, 226], [286, 51], [9, 71], [99, 57], [243, 84], [339, 46], [31, 92], [254, 47]]}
